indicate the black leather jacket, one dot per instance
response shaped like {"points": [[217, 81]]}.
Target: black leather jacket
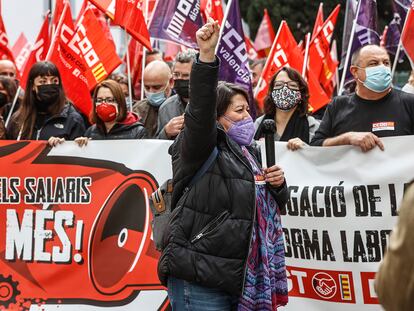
{"points": [[208, 237]]}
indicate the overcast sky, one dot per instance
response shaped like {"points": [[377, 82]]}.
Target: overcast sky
{"points": [[27, 16]]}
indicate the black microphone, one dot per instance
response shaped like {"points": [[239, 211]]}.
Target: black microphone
{"points": [[269, 129]]}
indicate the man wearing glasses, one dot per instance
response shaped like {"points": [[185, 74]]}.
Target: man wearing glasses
{"points": [[171, 112]]}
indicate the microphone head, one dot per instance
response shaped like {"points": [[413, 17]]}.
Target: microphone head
{"points": [[268, 126]]}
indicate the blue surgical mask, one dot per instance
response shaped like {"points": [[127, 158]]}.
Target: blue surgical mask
{"points": [[378, 79], [155, 99]]}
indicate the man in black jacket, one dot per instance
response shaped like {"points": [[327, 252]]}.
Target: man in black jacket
{"points": [[375, 110], [171, 112]]}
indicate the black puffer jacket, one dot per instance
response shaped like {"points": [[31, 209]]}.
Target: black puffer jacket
{"points": [[221, 204], [130, 128], [69, 125]]}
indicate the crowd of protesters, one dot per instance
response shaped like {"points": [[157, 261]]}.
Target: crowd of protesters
{"points": [[184, 108]]}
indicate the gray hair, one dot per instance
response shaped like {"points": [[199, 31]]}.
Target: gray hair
{"points": [[187, 56]]}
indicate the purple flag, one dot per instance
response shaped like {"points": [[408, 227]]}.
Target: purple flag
{"points": [[351, 7], [366, 28], [176, 21], [401, 7], [395, 27], [393, 34], [232, 51]]}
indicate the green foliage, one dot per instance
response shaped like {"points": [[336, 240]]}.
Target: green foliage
{"points": [[300, 14]]}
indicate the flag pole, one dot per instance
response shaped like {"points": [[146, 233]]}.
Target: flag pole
{"points": [[223, 23], [128, 71], [268, 61], [397, 56], [348, 52], [19, 89], [13, 105], [144, 53], [53, 42], [305, 60], [337, 67], [144, 49]]}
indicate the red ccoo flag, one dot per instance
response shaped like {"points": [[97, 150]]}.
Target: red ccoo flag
{"points": [[21, 51], [320, 61], [38, 50], [128, 15], [213, 9], [285, 52], [407, 36], [251, 51], [318, 21], [99, 15], [98, 51], [106, 6], [5, 52], [265, 35], [135, 54], [66, 54], [59, 4]]}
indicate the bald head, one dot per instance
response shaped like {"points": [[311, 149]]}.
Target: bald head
{"points": [[7, 68], [157, 76], [366, 58], [367, 53]]}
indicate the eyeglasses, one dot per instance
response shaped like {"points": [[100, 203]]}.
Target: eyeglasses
{"points": [[291, 85], [179, 75], [109, 100]]}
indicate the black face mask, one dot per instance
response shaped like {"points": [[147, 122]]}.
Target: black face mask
{"points": [[182, 88], [47, 95], [3, 100]]}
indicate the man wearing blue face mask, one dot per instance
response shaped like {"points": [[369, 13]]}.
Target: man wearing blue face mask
{"points": [[157, 88], [375, 110]]}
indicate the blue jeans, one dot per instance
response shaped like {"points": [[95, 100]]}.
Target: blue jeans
{"points": [[186, 296]]}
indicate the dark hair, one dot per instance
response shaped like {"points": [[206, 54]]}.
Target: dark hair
{"points": [[294, 75], [225, 92], [118, 77], [25, 116], [153, 52], [10, 86], [119, 97], [122, 79]]}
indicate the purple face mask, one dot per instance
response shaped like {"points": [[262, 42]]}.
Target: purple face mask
{"points": [[242, 131]]}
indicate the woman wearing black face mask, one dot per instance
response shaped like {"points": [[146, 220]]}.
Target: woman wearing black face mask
{"points": [[8, 90], [45, 113]]}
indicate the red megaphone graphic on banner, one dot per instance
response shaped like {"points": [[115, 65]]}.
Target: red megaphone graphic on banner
{"points": [[77, 230]]}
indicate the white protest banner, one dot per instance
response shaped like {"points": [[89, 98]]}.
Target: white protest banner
{"points": [[343, 205], [78, 235]]}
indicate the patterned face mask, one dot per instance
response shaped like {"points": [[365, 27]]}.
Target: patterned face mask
{"points": [[285, 98]]}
